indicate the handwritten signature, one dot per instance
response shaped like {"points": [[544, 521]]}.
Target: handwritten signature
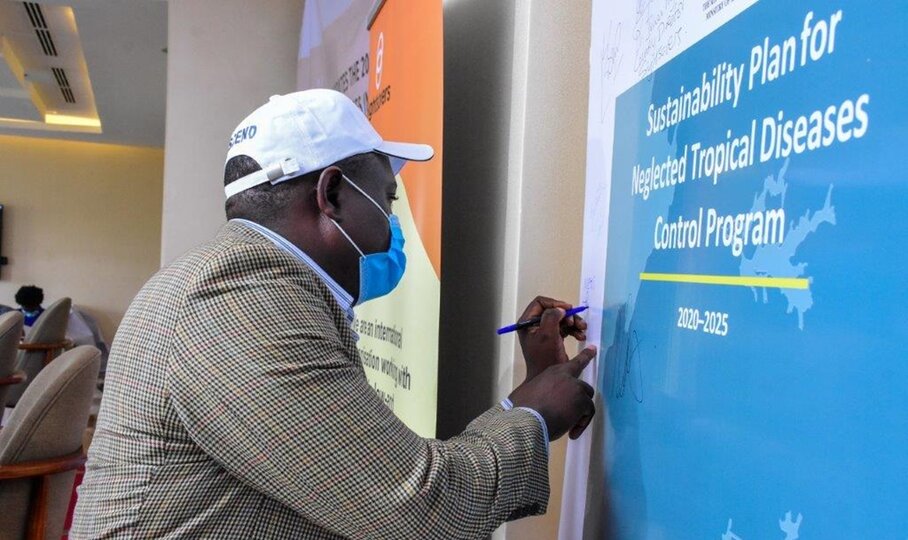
{"points": [[657, 33], [626, 377], [610, 58]]}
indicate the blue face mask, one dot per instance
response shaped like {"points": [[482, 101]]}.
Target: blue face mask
{"points": [[379, 273]]}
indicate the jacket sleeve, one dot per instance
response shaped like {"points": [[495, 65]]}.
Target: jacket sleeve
{"points": [[261, 381]]}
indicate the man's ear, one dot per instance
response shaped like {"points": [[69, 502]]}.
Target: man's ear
{"points": [[327, 192]]}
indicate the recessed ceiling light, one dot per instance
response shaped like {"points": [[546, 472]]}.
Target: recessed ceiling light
{"points": [[67, 120]]}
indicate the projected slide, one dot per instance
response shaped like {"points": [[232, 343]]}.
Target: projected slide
{"points": [[754, 304]]}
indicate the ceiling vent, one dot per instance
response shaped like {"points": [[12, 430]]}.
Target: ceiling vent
{"points": [[63, 83], [36, 16]]}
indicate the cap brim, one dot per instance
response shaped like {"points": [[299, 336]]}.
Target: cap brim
{"points": [[406, 151]]}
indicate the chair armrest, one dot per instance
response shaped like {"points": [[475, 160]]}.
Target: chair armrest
{"points": [[42, 467], [45, 346], [39, 471], [14, 378], [48, 348]]}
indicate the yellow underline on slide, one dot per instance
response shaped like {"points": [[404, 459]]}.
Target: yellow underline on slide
{"points": [[738, 281]]}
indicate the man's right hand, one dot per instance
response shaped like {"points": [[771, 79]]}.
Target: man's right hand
{"points": [[543, 344], [563, 400]]}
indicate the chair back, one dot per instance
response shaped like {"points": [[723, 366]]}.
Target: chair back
{"points": [[48, 329], [10, 332], [48, 423]]}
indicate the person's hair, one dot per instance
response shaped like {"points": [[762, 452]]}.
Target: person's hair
{"points": [[266, 203], [30, 296]]}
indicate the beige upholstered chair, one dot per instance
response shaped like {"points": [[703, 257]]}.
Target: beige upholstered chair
{"points": [[41, 446], [10, 332], [44, 341]]}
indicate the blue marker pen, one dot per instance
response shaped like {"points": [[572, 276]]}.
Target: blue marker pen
{"points": [[535, 320]]}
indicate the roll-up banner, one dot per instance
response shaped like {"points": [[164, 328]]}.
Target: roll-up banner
{"points": [[386, 55]]}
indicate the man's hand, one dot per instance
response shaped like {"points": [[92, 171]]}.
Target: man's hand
{"points": [[543, 345], [563, 400]]}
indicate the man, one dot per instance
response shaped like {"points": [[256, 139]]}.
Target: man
{"points": [[235, 403]]}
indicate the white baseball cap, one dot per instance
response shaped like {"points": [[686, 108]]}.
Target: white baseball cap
{"points": [[306, 131]]}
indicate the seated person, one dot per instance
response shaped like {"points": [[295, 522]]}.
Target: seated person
{"points": [[29, 299]]}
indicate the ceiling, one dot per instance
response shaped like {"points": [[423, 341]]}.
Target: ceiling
{"points": [[111, 69]]}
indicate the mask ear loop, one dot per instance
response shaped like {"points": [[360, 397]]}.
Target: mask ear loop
{"points": [[347, 236], [366, 195]]}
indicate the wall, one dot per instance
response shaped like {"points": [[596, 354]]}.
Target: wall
{"points": [[225, 58], [546, 180], [516, 84], [80, 220]]}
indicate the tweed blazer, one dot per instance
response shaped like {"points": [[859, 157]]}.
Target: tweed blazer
{"points": [[236, 406]]}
